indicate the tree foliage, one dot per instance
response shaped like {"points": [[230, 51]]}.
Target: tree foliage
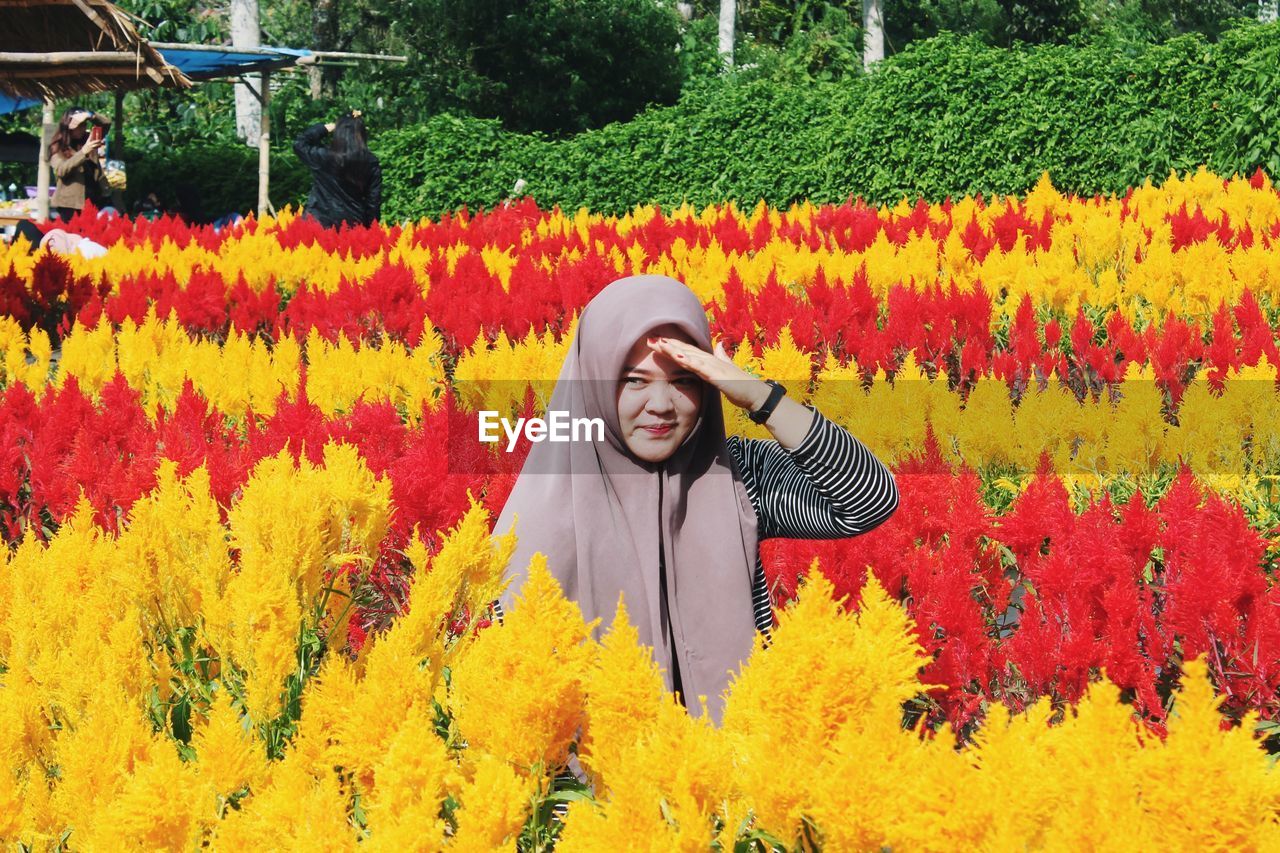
{"points": [[555, 66]]}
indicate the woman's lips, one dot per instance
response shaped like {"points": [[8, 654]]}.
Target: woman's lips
{"points": [[658, 430]]}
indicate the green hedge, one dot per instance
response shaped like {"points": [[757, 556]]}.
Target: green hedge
{"points": [[226, 177], [946, 117], [736, 141]]}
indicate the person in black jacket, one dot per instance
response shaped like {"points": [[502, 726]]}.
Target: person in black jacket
{"points": [[346, 176]]}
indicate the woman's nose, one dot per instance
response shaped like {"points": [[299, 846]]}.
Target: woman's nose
{"points": [[662, 397]]}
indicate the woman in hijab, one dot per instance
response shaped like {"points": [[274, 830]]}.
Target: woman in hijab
{"points": [[666, 510]]}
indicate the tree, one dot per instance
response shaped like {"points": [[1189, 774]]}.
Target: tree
{"points": [[728, 10], [556, 66], [1041, 21], [245, 32], [325, 35], [872, 33]]}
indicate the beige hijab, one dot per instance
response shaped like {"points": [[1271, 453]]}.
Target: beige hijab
{"points": [[601, 514]]}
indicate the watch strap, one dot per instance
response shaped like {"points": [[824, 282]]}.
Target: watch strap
{"points": [[776, 393]]}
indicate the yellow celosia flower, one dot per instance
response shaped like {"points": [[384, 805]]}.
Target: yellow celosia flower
{"points": [[1198, 755], [495, 804], [89, 356], [328, 700], [624, 692], [659, 774], [496, 375], [228, 755], [263, 632], [836, 670], [36, 374], [69, 628], [175, 549], [311, 518], [517, 693], [96, 759], [360, 718], [164, 805], [295, 810], [410, 780]]}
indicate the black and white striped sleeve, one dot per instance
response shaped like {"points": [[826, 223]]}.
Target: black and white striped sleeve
{"points": [[829, 487]]}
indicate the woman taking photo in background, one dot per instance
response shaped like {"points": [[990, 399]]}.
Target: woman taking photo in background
{"points": [[667, 510], [75, 154], [346, 176]]}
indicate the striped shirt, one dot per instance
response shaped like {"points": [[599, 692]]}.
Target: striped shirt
{"points": [[828, 487]]}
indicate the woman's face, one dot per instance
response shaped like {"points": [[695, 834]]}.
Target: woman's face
{"points": [[659, 401]]}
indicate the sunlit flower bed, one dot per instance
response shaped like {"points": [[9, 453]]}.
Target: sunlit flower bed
{"points": [[245, 601]]}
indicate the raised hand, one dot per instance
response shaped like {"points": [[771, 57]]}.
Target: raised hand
{"points": [[739, 387]]}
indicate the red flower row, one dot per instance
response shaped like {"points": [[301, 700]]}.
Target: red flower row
{"points": [[1039, 601], [948, 332], [849, 227]]}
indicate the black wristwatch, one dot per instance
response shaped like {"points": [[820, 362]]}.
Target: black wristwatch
{"points": [[776, 393]]}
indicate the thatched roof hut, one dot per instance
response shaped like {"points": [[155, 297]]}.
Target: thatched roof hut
{"points": [[63, 48]]}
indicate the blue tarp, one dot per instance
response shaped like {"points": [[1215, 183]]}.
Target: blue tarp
{"points": [[10, 104], [205, 62]]}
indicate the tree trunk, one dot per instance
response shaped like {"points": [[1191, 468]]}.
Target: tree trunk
{"points": [[246, 33], [872, 33], [325, 36], [728, 10], [1267, 11]]}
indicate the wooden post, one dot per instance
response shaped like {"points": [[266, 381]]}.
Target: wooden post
{"points": [[42, 173], [117, 123], [264, 148]]}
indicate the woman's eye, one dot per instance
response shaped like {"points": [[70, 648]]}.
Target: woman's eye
{"points": [[633, 381], [688, 380]]}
